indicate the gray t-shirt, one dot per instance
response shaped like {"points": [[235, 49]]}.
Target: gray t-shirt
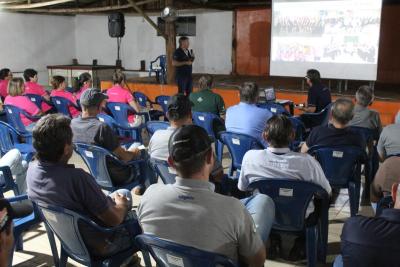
{"points": [[389, 141], [366, 118], [190, 213]]}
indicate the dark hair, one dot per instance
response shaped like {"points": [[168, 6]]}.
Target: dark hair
{"points": [[29, 73], [4, 73], [179, 107], [84, 77], [314, 76], [186, 158], [118, 77], [205, 82], [50, 135], [56, 81], [364, 95], [182, 39], [249, 93], [279, 131], [343, 110]]}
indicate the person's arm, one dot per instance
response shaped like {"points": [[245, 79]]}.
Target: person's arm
{"points": [[181, 63], [258, 259], [309, 109], [126, 155], [115, 214], [134, 105], [304, 148]]}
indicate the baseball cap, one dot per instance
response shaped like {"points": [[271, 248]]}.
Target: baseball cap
{"points": [[179, 106], [92, 97], [187, 142]]}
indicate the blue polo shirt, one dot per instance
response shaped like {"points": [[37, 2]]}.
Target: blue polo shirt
{"points": [[371, 242], [319, 96], [247, 119]]}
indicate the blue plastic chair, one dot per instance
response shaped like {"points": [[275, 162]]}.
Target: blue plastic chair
{"points": [[36, 99], [162, 100], [238, 145], [292, 198], [161, 71], [142, 99], [65, 223], [274, 108], [170, 254], [312, 120], [205, 120], [62, 105], [125, 141], [153, 126], [342, 168], [7, 182], [10, 139], [164, 171], [95, 159], [120, 113], [14, 119]]}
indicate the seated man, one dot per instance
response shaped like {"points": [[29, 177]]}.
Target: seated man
{"points": [[337, 133], [88, 129], [387, 174], [363, 116], [277, 161], [18, 167], [246, 117], [53, 181], [179, 114], [389, 141], [190, 213], [372, 241]]}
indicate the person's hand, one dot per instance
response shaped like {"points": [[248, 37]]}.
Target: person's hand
{"points": [[189, 62], [135, 151], [120, 200]]}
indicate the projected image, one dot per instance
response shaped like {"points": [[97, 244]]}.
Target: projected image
{"points": [[342, 32]]}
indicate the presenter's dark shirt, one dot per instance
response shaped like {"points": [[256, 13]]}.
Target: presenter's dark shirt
{"points": [[185, 70], [370, 242], [319, 96], [328, 135]]}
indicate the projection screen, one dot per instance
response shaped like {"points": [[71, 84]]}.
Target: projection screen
{"points": [[339, 38]]}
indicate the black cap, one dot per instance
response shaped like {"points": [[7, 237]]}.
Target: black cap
{"points": [[179, 106], [92, 97], [188, 141]]}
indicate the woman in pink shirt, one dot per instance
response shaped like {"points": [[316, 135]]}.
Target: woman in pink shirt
{"points": [[59, 85], [84, 83], [5, 77], [15, 97], [32, 87], [118, 93]]}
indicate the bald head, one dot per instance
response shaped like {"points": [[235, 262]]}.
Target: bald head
{"points": [[342, 111]]}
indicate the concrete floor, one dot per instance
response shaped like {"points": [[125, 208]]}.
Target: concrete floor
{"points": [[37, 249]]}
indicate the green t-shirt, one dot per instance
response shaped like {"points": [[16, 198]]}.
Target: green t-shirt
{"points": [[208, 101]]}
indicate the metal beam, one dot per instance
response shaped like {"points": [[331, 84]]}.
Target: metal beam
{"points": [[147, 18], [35, 5]]}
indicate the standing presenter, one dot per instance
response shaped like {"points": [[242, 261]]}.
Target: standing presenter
{"points": [[183, 60]]}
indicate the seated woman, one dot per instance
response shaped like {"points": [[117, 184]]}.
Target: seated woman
{"points": [[119, 94], [5, 77], [84, 83], [32, 87], [59, 85], [15, 97]]}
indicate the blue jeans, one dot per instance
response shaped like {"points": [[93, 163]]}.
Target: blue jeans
{"points": [[338, 261], [262, 210], [13, 159]]}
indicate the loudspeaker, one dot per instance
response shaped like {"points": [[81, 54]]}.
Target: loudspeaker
{"points": [[116, 25]]}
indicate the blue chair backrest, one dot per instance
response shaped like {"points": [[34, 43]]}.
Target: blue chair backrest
{"points": [[141, 99], [170, 254], [299, 128], [274, 108], [163, 61], [291, 198], [167, 173], [120, 112], [162, 100], [37, 99], [153, 126], [7, 182], [14, 117], [95, 159], [64, 224], [108, 120], [62, 105], [315, 119], [238, 145], [9, 136], [341, 164], [205, 120]]}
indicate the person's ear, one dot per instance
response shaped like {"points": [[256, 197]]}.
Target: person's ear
{"points": [[171, 162], [209, 157], [394, 191], [265, 135]]}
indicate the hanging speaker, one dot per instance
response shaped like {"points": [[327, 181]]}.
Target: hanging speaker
{"points": [[116, 25]]}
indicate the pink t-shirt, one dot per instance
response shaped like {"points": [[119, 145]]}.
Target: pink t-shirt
{"points": [[3, 88], [83, 89], [62, 93], [121, 95], [25, 104], [37, 89]]}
